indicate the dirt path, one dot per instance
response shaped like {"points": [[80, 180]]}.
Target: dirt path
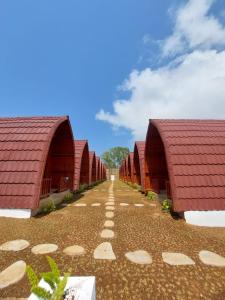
{"points": [[135, 228]]}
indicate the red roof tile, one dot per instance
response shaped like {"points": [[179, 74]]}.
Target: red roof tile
{"points": [[139, 161], [80, 146], [24, 144], [92, 167], [195, 152]]}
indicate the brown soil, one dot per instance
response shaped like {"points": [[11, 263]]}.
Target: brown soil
{"points": [[145, 228]]}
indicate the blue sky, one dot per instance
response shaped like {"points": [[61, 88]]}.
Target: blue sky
{"points": [[69, 57]]}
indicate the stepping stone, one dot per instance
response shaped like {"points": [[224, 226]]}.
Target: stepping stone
{"points": [[109, 223], [74, 250], [107, 234], [110, 203], [138, 204], [110, 208], [15, 245], [109, 214], [156, 215], [80, 204], [124, 204], [95, 204], [104, 251], [177, 259], [141, 257], [12, 274], [44, 248], [212, 258]]}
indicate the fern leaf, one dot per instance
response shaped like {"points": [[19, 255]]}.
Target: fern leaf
{"points": [[59, 291], [32, 277], [50, 279], [53, 266], [41, 293]]}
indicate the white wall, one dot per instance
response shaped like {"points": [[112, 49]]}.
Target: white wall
{"points": [[205, 218], [15, 213], [27, 213]]}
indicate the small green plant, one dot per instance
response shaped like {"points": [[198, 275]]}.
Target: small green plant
{"points": [[83, 187], [136, 186], [53, 278], [152, 195], [68, 197], [166, 205], [48, 207]]}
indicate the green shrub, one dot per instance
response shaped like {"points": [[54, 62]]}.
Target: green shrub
{"points": [[136, 186], [68, 197], [166, 205], [152, 195], [53, 279], [82, 188], [48, 207]]}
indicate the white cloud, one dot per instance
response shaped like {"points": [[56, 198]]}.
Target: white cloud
{"points": [[194, 28], [190, 86], [193, 89]]}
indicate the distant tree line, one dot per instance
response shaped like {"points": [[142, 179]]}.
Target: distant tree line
{"points": [[114, 156]]}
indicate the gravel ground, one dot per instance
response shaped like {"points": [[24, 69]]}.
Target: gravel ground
{"points": [[136, 228]]}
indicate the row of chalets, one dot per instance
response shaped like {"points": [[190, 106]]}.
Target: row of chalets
{"points": [[38, 157], [183, 160]]}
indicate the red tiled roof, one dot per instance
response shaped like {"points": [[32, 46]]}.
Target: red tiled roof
{"points": [[97, 167], [24, 145], [79, 152], [92, 162], [195, 152], [139, 153], [130, 166]]}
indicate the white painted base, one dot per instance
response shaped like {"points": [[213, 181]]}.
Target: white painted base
{"points": [[28, 213], [15, 213], [206, 218], [84, 284]]}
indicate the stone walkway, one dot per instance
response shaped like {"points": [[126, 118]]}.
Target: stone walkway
{"points": [[127, 234]]}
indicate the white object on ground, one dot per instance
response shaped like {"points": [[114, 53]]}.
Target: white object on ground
{"points": [[44, 248], [110, 203], [109, 214], [109, 223], [177, 259], [95, 204], [139, 257], [74, 250], [85, 287], [104, 251], [16, 245], [205, 218], [110, 208], [212, 258], [124, 204], [12, 274], [138, 204], [107, 234], [80, 204]]}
